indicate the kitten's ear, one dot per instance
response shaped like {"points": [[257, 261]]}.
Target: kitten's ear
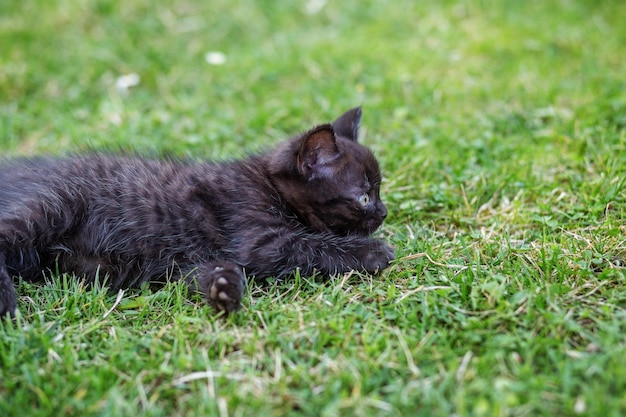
{"points": [[317, 152], [347, 125]]}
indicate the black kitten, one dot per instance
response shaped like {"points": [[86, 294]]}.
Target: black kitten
{"points": [[309, 204]]}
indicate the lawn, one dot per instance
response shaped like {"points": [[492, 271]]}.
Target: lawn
{"points": [[501, 130]]}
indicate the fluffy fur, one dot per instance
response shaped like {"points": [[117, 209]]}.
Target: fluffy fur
{"points": [[310, 205]]}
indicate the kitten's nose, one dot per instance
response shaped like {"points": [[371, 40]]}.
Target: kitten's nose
{"points": [[382, 211]]}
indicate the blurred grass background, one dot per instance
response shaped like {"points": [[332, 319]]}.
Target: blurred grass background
{"points": [[500, 129]]}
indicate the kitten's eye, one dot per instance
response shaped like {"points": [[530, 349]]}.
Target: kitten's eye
{"points": [[364, 199]]}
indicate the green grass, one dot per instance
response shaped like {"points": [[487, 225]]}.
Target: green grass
{"points": [[501, 129]]}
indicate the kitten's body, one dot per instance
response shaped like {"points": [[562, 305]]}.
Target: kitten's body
{"points": [[134, 220]]}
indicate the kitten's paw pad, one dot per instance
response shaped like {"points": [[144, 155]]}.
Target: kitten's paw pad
{"points": [[226, 287]]}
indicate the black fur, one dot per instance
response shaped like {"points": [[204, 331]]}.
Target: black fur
{"points": [[310, 204]]}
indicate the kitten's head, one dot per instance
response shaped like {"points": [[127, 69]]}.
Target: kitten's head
{"points": [[331, 181]]}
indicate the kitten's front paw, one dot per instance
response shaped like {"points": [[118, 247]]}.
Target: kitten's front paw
{"points": [[223, 284], [378, 256]]}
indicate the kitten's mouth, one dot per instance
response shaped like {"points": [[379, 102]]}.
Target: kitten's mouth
{"points": [[371, 225], [363, 228]]}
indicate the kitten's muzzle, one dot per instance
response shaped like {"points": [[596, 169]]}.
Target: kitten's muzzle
{"points": [[373, 221]]}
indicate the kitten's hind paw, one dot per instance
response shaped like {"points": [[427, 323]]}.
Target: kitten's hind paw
{"points": [[223, 284]]}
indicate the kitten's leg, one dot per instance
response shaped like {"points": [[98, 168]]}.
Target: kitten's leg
{"points": [[8, 298], [26, 231], [221, 283], [278, 252], [340, 254]]}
